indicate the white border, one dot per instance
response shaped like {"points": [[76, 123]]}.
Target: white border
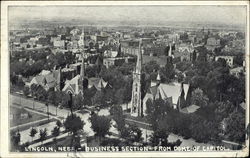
{"points": [[4, 150]]}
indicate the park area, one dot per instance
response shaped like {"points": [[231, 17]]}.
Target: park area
{"points": [[20, 116]]}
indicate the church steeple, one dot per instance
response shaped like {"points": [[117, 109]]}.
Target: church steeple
{"points": [[59, 79], [136, 102], [158, 79], [139, 58], [82, 73]]}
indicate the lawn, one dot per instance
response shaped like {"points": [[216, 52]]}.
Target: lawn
{"points": [[19, 116]]}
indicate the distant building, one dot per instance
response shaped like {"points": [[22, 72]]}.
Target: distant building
{"points": [[129, 47], [108, 62], [184, 52], [212, 43], [59, 44], [229, 59]]}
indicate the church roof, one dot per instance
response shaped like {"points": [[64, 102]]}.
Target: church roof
{"points": [[98, 83], [164, 91], [74, 83]]}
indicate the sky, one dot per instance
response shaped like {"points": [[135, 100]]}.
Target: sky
{"points": [[216, 14]]}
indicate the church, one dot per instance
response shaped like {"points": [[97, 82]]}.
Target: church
{"points": [[176, 94], [80, 82]]}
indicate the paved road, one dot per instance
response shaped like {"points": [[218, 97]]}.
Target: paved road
{"points": [[25, 102], [87, 127]]}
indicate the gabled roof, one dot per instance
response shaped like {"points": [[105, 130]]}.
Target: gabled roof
{"points": [[74, 84], [165, 91], [98, 83], [46, 79]]}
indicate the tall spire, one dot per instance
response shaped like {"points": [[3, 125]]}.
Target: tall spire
{"points": [[170, 50], [139, 58], [82, 73], [59, 79], [136, 106], [158, 78]]}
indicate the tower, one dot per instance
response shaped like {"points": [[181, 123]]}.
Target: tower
{"points": [[81, 40], [59, 80], [82, 72], [136, 103], [158, 79]]}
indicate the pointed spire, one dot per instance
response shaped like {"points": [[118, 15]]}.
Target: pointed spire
{"points": [[170, 50], [59, 79], [139, 58], [158, 78], [82, 73]]}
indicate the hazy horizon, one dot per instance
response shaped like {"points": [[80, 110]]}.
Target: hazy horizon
{"points": [[232, 15]]}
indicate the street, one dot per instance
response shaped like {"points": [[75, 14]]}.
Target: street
{"points": [[87, 127]]}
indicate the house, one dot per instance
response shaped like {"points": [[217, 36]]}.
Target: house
{"points": [[229, 59], [47, 79], [108, 62]]}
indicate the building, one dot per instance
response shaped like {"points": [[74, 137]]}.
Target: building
{"points": [[80, 82], [212, 43], [184, 52], [75, 86], [176, 94], [48, 80], [136, 101], [129, 47], [59, 44], [108, 62], [229, 59]]}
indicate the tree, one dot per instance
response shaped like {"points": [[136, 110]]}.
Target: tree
{"points": [[33, 132], [73, 124], [223, 109], [119, 96], [77, 101], [203, 130], [151, 66], [157, 110], [117, 113], [43, 134], [56, 131], [15, 140], [235, 126], [100, 125], [52, 97], [159, 137], [99, 98], [198, 98], [58, 123], [136, 134], [26, 91]]}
